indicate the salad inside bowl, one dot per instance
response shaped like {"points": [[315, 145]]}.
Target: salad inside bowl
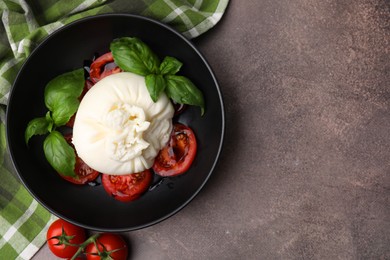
{"points": [[72, 50]]}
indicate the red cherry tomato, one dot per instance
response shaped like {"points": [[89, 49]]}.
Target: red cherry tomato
{"points": [[102, 67], [61, 235], [177, 156], [108, 246], [127, 187], [84, 173]]}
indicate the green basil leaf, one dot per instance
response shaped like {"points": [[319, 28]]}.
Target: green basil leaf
{"points": [[183, 91], [69, 84], [170, 65], [50, 120], [37, 126], [62, 114], [155, 85], [60, 154], [133, 55]]}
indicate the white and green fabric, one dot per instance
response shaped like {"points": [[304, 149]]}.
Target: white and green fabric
{"points": [[24, 24]]}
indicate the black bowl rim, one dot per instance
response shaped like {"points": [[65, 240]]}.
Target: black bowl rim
{"points": [[109, 15]]}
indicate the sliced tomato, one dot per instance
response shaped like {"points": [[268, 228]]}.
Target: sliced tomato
{"points": [[177, 156], [127, 187], [102, 67], [84, 173]]}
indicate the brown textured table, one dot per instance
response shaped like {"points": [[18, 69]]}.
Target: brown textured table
{"points": [[305, 169]]}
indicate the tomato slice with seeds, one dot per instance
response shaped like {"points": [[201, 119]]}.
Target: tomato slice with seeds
{"points": [[127, 187], [83, 172], [102, 67], [177, 156]]}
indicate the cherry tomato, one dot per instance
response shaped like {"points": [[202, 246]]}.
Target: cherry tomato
{"points": [[63, 238], [102, 67], [84, 173], [127, 187], [177, 156], [108, 246]]}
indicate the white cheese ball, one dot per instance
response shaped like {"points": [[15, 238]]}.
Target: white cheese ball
{"points": [[118, 128]]}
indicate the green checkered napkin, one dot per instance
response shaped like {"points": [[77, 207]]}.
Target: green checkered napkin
{"points": [[24, 23]]}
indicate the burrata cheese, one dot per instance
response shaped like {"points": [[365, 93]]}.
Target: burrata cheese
{"points": [[118, 129]]}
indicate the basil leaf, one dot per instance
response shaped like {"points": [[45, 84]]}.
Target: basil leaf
{"points": [[60, 154], [133, 55], [69, 84], [62, 114], [37, 126], [155, 85], [170, 65], [50, 120], [183, 91]]}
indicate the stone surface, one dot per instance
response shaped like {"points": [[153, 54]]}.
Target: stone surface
{"points": [[305, 170]]}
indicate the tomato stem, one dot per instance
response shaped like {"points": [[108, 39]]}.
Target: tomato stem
{"points": [[82, 246], [105, 254], [63, 239]]}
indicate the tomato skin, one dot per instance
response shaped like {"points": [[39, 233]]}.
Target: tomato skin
{"points": [[177, 156], [83, 171], [55, 229], [102, 67], [127, 187], [107, 242]]}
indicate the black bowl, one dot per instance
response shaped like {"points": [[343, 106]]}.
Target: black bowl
{"points": [[89, 206]]}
